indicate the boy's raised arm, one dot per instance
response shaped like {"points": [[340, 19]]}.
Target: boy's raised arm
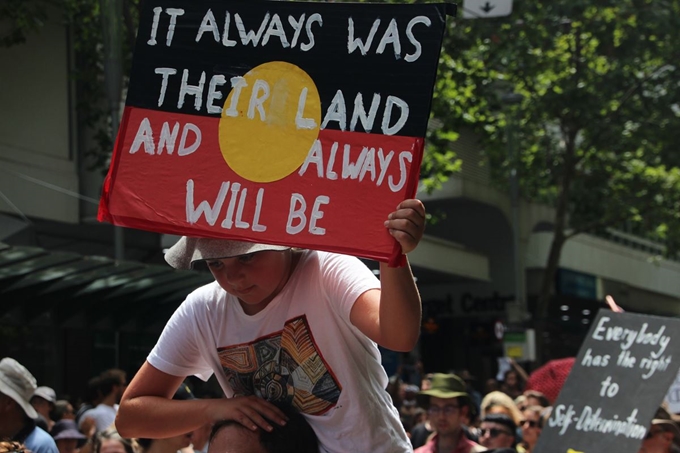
{"points": [[391, 316]]}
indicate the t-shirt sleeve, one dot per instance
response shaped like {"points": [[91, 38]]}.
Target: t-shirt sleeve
{"points": [[179, 351], [344, 279]]}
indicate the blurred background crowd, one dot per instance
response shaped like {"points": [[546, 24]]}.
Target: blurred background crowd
{"points": [[506, 415]]}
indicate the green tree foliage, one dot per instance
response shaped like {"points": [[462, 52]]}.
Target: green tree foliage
{"points": [[19, 18], [596, 129], [599, 123]]}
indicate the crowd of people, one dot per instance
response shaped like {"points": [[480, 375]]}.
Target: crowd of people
{"points": [[444, 413], [33, 420]]}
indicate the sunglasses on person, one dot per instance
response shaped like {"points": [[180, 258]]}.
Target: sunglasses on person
{"points": [[531, 423], [449, 409], [493, 432]]}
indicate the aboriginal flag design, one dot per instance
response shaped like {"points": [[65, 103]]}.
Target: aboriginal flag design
{"points": [[275, 121]]}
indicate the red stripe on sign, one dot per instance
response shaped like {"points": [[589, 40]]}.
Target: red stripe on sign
{"points": [[169, 175]]}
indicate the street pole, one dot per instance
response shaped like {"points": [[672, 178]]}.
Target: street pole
{"points": [[510, 125], [111, 12]]}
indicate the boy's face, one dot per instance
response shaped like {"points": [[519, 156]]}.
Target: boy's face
{"points": [[255, 278]]}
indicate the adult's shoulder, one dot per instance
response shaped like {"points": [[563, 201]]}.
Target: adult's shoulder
{"points": [[39, 441]]}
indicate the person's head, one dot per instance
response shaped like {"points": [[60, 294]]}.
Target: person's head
{"points": [[535, 398], [466, 376], [419, 416], [531, 424], [93, 392], [255, 273], [296, 436], [661, 434], [447, 403], [511, 379], [500, 403], [521, 402], [66, 436], [43, 400], [109, 441], [491, 385], [63, 410], [112, 384], [17, 385], [497, 431]]}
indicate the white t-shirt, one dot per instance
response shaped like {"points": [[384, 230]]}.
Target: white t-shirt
{"points": [[103, 416], [302, 348]]}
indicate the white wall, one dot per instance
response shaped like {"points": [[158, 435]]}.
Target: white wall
{"points": [[35, 121]]}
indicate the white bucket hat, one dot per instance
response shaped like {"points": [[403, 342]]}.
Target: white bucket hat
{"points": [[188, 250], [18, 383], [46, 393]]}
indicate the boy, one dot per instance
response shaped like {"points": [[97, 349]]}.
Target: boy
{"points": [[291, 326]]}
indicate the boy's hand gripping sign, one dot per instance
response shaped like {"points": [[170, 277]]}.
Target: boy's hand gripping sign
{"points": [[277, 122]]}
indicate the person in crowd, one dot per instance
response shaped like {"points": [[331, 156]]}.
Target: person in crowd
{"points": [[408, 405], [43, 402], [514, 380], [63, 410], [8, 446], [395, 391], [500, 403], [531, 425], [426, 382], [297, 436], [535, 398], [292, 306], [491, 385], [67, 437], [497, 431], [175, 443], [448, 407], [512, 385], [111, 384], [475, 396], [662, 435], [93, 396], [166, 445], [420, 432], [17, 416], [109, 441], [521, 402], [199, 439]]}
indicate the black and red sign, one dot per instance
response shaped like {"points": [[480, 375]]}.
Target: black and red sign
{"points": [[278, 122]]}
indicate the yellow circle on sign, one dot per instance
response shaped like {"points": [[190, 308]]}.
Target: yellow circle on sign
{"points": [[269, 122]]}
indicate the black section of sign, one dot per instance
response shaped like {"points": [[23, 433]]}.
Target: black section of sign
{"points": [[615, 386], [328, 61]]}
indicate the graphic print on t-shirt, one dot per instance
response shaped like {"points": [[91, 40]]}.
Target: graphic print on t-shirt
{"points": [[285, 366]]}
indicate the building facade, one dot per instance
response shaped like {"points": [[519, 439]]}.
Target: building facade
{"points": [[479, 267]]}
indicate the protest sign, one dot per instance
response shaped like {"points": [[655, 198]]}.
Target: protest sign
{"points": [[280, 122], [618, 381]]}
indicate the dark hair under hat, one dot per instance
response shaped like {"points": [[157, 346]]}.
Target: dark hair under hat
{"points": [[501, 419]]}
